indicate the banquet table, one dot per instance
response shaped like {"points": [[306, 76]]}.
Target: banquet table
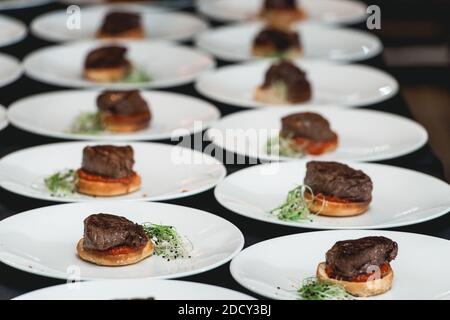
{"points": [[14, 282]]}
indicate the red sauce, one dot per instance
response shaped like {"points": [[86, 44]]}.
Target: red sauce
{"points": [[87, 176], [316, 147], [385, 268], [119, 250]]}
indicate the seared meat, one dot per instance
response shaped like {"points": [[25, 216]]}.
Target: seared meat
{"points": [[108, 161], [106, 231], [338, 180], [279, 39], [280, 4], [107, 57], [350, 258], [122, 102], [287, 73], [307, 125], [117, 22]]}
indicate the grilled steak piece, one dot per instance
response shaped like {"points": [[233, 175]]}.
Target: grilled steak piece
{"points": [[105, 231], [280, 4], [117, 22], [350, 258], [338, 180], [279, 39], [122, 102], [108, 161], [107, 57], [307, 125], [288, 74]]}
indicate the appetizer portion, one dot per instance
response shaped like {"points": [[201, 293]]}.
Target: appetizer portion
{"points": [[360, 266], [123, 111], [330, 189], [281, 13], [107, 64], [337, 190], [121, 25], [304, 133], [111, 240], [107, 171], [274, 42], [284, 83]]}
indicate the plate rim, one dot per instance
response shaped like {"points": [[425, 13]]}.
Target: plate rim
{"points": [[17, 38], [3, 122], [335, 228], [13, 5], [175, 196], [61, 276], [18, 72], [77, 137]]}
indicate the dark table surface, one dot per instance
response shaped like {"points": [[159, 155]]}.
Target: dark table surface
{"points": [[14, 282]]}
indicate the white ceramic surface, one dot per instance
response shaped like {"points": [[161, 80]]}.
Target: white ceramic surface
{"points": [[3, 119], [11, 30], [400, 196], [173, 115], [347, 85], [21, 4], [364, 135], [167, 172], [167, 64], [43, 241], [10, 69], [234, 42], [284, 262]]}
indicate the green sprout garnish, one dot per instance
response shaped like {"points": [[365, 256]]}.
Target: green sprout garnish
{"points": [[283, 147], [61, 183], [87, 123], [296, 206], [137, 76], [168, 243], [312, 289]]}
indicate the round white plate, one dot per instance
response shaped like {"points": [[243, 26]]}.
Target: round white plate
{"points": [[10, 69], [400, 197], [364, 135], [167, 172], [43, 241], [173, 115], [169, 65], [3, 119], [135, 289], [323, 11], [234, 43], [21, 4], [346, 85], [157, 25], [11, 30], [284, 262]]}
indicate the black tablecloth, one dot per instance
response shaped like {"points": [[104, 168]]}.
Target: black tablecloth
{"points": [[14, 282]]}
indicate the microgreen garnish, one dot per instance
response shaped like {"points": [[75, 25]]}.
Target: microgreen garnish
{"points": [[61, 183], [137, 76], [281, 146], [296, 206], [168, 243], [87, 123], [312, 289]]}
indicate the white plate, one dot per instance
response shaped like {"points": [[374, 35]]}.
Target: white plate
{"points": [[234, 43], [324, 11], [346, 85], [400, 197], [135, 289], [21, 4], [168, 64], [3, 119], [10, 69], [157, 25], [173, 115], [11, 30], [284, 262], [364, 135], [43, 241], [167, 172]]}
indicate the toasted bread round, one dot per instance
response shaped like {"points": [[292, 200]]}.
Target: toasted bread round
{"points": [[271, 51], [358, 289], [325, 207], [282, 18], [273, 95], [104, 259], [112, 74], [124, 123], [108, 188], [137, 33]]}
